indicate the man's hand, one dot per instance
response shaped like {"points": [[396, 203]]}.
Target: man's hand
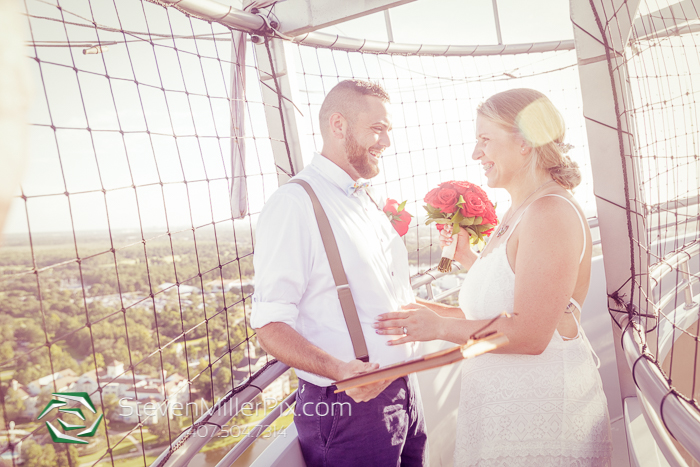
{"points": [[363, 393], [289, 347]]}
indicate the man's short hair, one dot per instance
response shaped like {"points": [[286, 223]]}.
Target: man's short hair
{"points": [[343, 98]]}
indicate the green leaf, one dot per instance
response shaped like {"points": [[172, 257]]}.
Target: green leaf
{"points": [[431, 210], [401, 206], [471, 234], [461, 201]]}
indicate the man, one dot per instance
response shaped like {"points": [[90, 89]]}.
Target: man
{"points": [[296, 310]]}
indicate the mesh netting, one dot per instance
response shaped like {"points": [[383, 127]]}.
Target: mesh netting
{"points": [[664, 84], [433, 105], [125, 274], [658, 75]]}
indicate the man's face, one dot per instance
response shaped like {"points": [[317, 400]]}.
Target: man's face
{"points": [[367, 136]]}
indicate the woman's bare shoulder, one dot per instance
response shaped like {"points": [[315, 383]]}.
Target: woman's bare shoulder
{"points": [[552, 219]]}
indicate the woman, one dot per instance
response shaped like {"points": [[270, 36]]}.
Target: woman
{"points": [[539, 400]]}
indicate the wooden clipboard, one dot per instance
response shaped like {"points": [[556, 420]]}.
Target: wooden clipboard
{"points": [[471, 349]]}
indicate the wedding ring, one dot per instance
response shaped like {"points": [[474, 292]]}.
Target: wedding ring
{"points": [[405, 330]]}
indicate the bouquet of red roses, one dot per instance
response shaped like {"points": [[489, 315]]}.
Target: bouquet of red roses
{"points": [[461, 204]]}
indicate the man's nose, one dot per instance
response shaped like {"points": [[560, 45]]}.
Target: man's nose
{"points": [[384, 139]]}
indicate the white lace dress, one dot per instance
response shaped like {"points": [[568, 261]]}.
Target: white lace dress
{"points": [[527, 410]]}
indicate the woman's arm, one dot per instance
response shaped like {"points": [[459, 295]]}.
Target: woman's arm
{"points": [[421, 323], [546, 270], [446, 311], [464, 254], [466, 257]]}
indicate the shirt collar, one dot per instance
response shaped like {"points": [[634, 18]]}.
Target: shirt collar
{"points": [[337, 175]]}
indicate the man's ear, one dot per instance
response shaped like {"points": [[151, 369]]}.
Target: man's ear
{"points": [[338, 125]]}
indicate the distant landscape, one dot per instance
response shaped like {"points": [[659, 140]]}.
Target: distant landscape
{"points": [[121, 305], [98, 299]]}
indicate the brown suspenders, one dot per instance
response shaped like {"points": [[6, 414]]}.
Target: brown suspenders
{"points": [[341, 281]]}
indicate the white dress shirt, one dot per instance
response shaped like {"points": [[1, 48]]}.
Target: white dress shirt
{"points": [[293, 280]]}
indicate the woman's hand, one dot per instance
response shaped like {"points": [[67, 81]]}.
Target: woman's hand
{"points": [[464, 253], [414, 323]]}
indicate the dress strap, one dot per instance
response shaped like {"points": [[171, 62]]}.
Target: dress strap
{"points": [[576, 304], [580, 218], [512, 227], [579, 330]]}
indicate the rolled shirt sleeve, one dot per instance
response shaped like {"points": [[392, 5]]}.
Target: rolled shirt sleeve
{"points": [[283, 257]]}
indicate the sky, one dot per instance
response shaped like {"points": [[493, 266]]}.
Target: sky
{"points": [[176, 120]]}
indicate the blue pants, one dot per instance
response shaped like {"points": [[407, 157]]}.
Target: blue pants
{"points": [[335, 431]]}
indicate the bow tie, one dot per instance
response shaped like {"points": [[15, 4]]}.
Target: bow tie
{"points": [[354, 188]]}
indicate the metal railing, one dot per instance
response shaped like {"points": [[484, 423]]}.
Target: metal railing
{"points": [[192, 440], [667, 413], [213, 10], [264, 424]]}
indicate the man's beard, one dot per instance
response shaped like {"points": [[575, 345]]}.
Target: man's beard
{"points": [[359, 157]]}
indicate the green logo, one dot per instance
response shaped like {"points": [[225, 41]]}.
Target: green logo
{"points": [[84, 399]]}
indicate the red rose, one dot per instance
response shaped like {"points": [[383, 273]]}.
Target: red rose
{"points": [[401, 223], [392, 207], [460, 187], [430, 197], [473, 205], [490, 215], [399, 217], [480, 192], [445, 199]]}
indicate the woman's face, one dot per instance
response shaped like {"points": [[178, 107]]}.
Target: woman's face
{"points": [[499, 152]]}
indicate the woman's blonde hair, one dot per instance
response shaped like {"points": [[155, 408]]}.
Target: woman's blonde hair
{"points": [[531, 115]]}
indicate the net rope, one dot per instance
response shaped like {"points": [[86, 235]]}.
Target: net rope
{"points": [[433, 100], [126, 247], [203, 176]]}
